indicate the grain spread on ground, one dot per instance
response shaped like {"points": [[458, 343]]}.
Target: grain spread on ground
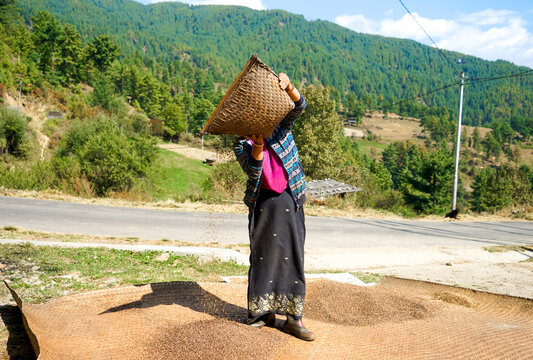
{"points": [[215, 339], [400, 319], [345, 304]]}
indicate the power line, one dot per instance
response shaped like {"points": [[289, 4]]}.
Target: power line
{"points": [[421, 95], [472, 80], [523, 73], [430, 38]]}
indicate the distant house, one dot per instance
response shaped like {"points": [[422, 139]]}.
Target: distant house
{"points": [[350, 121], [55, 115], [319, 189]]}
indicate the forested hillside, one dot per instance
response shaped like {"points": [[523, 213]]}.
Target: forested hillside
{"points": [[366, 71], [126, 76]]}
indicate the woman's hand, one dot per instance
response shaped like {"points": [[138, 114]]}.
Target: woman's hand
{"points": [[257, 139], [285, 84], [257, 148]]}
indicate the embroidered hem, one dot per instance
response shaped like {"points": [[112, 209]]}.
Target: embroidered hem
{"points": [[276, 303]]}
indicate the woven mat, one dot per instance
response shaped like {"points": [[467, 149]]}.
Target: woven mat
{"points": [[253, 105], [397, 319]]}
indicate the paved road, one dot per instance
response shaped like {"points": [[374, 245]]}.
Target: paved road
{"points": [[64, 217]]}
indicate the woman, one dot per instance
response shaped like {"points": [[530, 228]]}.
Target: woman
{"points": [[275, 194]]}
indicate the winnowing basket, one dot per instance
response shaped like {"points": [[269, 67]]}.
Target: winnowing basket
{"points": [[254, 104]]}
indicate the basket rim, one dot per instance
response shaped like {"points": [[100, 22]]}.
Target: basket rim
{"points": [[254, 59]]}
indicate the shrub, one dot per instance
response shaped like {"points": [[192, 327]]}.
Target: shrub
{"points": [[79, 109], [39, 176], [108, 159], [226, 181], [13, 127], [498, 188], [135, 124]]}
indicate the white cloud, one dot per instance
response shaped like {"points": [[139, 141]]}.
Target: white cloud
{"points": [[358, 23], [253, 4], [489, 34], [487, 17], [404, 27]]}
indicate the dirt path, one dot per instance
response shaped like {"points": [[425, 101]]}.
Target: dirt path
{"points": [[190, 152]]}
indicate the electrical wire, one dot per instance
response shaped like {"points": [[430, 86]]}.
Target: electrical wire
{"points": [[472, 81], [523, 73], [421, 95], [430, 38]]}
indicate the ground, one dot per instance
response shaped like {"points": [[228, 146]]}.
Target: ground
{"points": [[505, 273]]}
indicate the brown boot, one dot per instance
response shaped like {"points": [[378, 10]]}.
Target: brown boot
{"points": [[266, 319], [297, 328]]}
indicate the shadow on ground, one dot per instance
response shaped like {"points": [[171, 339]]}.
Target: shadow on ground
{"points": [[18, 343], [187, 294]]}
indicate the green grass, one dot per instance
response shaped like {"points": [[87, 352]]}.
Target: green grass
{"points": [[178, 177], [42, 273], [367, 146], [367, 277]]}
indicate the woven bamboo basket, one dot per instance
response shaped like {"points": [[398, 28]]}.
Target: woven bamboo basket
{"points": [[254, 104]]}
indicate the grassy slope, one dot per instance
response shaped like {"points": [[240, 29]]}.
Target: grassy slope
{"points": [[178, 177]]}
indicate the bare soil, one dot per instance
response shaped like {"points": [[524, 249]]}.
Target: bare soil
{"points": [[391, 128], [37, 112], [189, 151]]}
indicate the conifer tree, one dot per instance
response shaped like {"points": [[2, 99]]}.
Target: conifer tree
{"points": [[102, 51], [46, 32], [70, 51], [476, 139]]}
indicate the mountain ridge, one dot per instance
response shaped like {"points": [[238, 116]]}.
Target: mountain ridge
{"points": [[221, 38]]}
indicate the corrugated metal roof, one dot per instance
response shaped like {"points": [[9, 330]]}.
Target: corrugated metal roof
{"points": [[328, 187]]}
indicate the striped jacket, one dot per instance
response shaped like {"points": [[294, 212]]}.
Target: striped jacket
{"points": [[282, 142]]}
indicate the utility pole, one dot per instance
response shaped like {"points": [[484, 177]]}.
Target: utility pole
{"points": [[453, 213]]}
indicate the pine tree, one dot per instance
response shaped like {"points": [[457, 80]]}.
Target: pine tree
{"points": [[70, 52], [429, 181], [476, 139], [492, 146], [202, 110], [46, 32], [102, 51]]}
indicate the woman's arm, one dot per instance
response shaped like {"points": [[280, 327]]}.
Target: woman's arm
{"points": [[243, 152], [299, 101], [285, 84], [257, 147]]}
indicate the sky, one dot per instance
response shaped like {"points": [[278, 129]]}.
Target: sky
{"points": [[487, 29]]}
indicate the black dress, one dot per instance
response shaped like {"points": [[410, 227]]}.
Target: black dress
{"points": [[276, 281]]}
